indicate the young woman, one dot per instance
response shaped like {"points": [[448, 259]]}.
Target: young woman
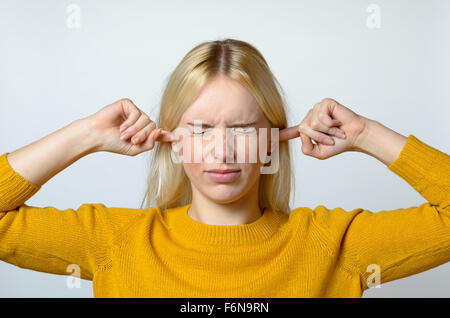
{"points": [[206, 233]]}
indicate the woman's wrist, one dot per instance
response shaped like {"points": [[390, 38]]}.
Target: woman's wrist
{"points": [[85, 138], [380, 142]]}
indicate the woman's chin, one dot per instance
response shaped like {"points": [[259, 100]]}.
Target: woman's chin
{"points": [[223, 197]]}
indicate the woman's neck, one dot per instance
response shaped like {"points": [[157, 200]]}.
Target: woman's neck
{"points": [[242, 211]]}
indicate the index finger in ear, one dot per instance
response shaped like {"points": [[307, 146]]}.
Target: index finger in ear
{"points": [[288, 133], [166, 136]]}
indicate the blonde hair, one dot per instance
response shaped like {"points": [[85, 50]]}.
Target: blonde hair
{"points": [[167, 184]]}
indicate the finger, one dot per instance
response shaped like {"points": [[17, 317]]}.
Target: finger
{"points": [[143, 134], [316, 135], [142, 121], [288, 133], [165, 136], [328, 126], [318, 123], [308, 148], [148, 143], [153, 135], [326, 120], [131, 113]]}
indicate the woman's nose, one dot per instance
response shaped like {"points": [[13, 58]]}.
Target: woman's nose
{"points": [[224, 146], [232, 147]]}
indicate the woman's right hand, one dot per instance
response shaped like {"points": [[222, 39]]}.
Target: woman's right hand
{"points": [[139, 132]]}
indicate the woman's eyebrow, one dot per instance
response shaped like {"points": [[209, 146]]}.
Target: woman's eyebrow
{"points": [[237, 124]]}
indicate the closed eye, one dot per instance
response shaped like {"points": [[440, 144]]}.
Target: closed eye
{"points": [[200, 133], [237, 130], [244, 130]]}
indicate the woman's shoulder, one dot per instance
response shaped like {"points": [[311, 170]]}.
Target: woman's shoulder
{"points": [[334, 219], [120, 217]]}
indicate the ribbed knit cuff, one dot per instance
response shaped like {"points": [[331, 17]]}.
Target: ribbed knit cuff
{"points": [[424, 168], [14, 189], [414, 161]]}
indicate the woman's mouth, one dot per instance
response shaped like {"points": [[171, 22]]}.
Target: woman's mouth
{"points": [[227, 175]]}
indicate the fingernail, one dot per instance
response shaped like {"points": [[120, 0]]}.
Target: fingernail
{"points": [[122, 128], [124, 136], [340, 134], [330, 141]]}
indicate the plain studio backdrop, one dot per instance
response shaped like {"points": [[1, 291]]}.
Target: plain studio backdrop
{"points": [[385, 60]]}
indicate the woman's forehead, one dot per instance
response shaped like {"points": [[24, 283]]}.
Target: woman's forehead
{"points": [[227, 120], [215, 113], [223, 97]]}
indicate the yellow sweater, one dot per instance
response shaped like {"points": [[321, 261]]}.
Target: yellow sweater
{"points": [[317, 252]]}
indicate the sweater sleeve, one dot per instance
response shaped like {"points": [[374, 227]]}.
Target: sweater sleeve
{"points": [[404, 241], [47, 239]]}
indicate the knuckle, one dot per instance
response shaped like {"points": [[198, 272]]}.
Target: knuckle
{"points": [[126, 101], [301, 128], [132, 130], [322, 116], [146, 117], [138, 135], [146, 132], [137, 112], [314, 124]]}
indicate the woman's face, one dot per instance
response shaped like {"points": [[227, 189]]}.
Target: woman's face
{"points": [[223, 103]]}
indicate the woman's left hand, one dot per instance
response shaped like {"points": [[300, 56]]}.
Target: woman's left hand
{"points": [[323, 124]]}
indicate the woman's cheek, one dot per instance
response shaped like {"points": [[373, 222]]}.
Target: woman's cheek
{"points": [[191, 150], [251, 149]]}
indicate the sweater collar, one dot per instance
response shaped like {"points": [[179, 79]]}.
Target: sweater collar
{"points": [[187, 229]]}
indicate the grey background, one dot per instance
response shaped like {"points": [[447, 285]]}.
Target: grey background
{"points": [[398, 75]]}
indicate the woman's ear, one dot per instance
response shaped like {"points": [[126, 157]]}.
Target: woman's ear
{"points": [[177, 146], [177, 143]]}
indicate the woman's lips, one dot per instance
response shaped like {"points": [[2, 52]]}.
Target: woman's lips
{"points": [[223, 176]]}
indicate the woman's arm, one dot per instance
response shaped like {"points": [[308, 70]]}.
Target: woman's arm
{"points": [[400, 242], [380, 142], [48, 239], [41, 160], [404, 241]]}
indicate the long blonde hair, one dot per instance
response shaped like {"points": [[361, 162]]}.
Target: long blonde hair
{"points": [[167, 184]]}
